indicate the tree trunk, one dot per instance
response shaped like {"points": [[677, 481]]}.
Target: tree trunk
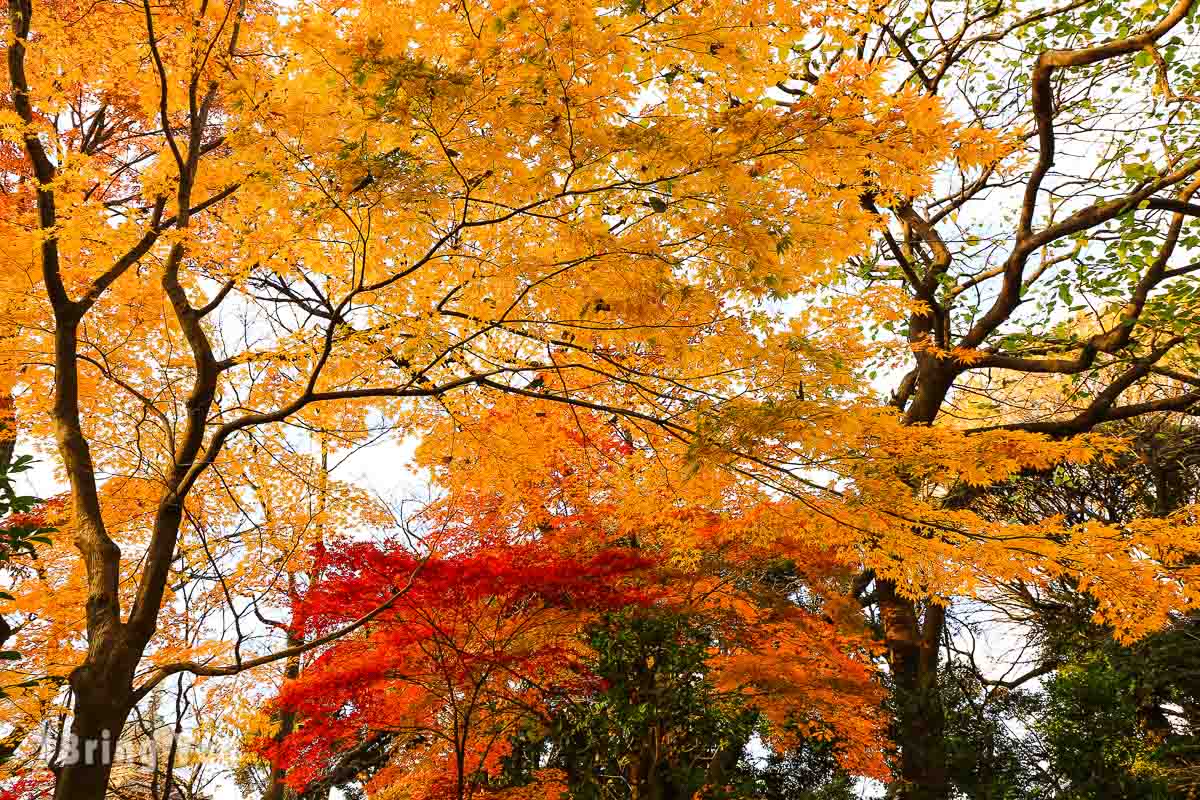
{"points": [[103, 700], [276, 789], [912, 653], [912, 642]]}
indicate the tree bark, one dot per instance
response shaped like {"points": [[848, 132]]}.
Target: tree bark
{"points": [[102, 703], [912, 651], [913, 642], [276, 789]]}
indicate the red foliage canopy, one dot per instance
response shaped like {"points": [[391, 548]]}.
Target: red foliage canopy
{"points": [[477, 640]]}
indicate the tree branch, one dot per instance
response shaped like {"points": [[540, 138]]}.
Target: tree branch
{"points": [[161, 673]]}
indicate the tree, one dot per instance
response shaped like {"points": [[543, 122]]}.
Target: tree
{"points": [[448, 670], [240, 227], [988, 756], [658, 725], [730, 555], [999, 257], [481, 678], [1113, 718], [232, 214]]}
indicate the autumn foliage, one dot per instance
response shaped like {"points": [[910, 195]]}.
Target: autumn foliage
{"points": [[722, 317], [453, 664], [488, 635]]}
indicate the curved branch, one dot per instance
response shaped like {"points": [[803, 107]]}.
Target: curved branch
{"points": [[196, 668], [1043, 104]]}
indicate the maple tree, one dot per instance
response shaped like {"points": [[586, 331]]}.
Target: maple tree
{"points": [[1069, 225], [239, 233], [499, 639], [449, 668], [229, 214]]}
